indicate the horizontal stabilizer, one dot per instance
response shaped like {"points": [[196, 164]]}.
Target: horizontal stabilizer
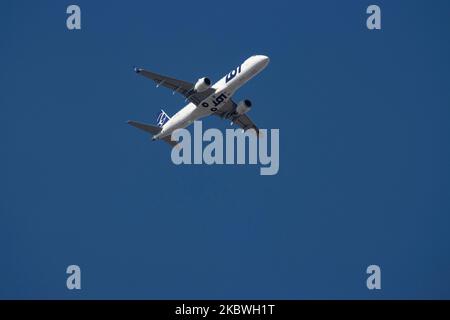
{"points": [[145, 127], [153, 130], [167, 139]]}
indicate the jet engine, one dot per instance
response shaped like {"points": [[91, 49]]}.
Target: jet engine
{"points": [[243, 107], [202, 84]]}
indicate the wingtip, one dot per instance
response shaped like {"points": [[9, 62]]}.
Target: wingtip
{"points": [[136, 69]]}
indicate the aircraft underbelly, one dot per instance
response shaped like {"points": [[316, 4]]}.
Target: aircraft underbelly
{"points": [[191, 113]]}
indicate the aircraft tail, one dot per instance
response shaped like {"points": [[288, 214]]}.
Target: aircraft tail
{"points": [[153, 130], [162, 118], [145, 127]]}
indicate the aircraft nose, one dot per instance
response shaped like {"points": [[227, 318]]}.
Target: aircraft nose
{"points": [[263, 60]]}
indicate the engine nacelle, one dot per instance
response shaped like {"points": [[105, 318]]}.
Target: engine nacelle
{"points": [[244, 107], [202, 84]]}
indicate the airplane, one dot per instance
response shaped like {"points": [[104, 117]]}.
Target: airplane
{"points": [[204, 99]]}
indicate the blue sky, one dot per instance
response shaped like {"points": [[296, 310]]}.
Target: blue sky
{"points": [[364, 152]]}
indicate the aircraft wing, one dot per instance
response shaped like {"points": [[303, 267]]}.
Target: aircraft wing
{"points": [[180, 86], [228, 111]]}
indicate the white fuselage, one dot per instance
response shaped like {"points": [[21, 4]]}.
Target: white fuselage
{"points": [[223, 91]]}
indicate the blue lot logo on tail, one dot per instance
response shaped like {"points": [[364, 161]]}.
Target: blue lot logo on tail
{"points": [[162, 119]]}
